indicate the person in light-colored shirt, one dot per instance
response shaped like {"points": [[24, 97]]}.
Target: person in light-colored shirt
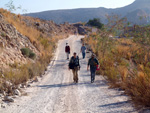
{"points": [[83, 50]]}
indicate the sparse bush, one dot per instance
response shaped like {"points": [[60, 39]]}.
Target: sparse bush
{"points": [[28, 53], [25, 52], [32, 55]]}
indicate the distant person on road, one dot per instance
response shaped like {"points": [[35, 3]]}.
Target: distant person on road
{"points": [[83, 50], [75, 66], [67, 50], [76, 33], [93, 63]]}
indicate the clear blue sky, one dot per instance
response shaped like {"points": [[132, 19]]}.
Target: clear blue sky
{"points": [[43, 5]]}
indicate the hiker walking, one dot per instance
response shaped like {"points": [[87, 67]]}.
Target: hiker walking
{"points": [[75, 66], [83, 50], [67, 50], [93, 63]]}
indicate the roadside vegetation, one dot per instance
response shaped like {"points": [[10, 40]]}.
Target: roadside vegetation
{"points": [[124, 61]]}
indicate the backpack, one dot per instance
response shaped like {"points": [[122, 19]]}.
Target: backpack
{"points": [[73, 64]]}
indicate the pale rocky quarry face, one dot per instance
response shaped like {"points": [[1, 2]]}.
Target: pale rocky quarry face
{"points": [[11, 41]]}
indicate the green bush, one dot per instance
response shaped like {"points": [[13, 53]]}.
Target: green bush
{"points": [[32, 55], [28, 53], [96, 23], [25, 51]]}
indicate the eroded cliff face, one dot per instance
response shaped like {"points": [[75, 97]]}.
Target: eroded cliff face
{"points": [[11, 41]]}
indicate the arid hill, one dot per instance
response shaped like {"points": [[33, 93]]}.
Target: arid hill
{"points": [[84, 14]]}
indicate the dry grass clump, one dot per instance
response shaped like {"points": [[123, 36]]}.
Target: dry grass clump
{"points": [[27, 71]]}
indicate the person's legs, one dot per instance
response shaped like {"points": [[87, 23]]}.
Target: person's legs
{"points": [[67, 55], [92, 77], [83, 54], [93, 70], [74, 76]]}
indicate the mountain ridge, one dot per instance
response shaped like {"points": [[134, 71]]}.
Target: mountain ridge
{"points": [[84, 14]]}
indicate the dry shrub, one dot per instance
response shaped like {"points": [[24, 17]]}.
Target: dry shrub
{"points": [[17, 76], [112, 74], [123, 72], [125, 64], [139, 89], [27, 71]]}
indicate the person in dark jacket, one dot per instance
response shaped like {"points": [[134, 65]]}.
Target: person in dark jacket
{"points": [[67, 50], [75, 66], [93, 62]]}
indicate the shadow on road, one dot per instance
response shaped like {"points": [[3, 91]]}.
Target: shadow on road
{"points": [[97, 83], [116, 105]]}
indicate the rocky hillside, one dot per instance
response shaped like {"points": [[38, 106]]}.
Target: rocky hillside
{"points": [[11, 42], [50, 28], [83, 15], [26, 47]]}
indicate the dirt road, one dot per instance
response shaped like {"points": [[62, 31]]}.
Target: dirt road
{"points": [[56, 92]]}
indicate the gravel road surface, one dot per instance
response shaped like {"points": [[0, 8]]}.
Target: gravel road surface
{"points": [[56, 92]]}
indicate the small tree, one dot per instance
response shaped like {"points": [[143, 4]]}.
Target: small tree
{"points": [[11, 7], [96, 23]]}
